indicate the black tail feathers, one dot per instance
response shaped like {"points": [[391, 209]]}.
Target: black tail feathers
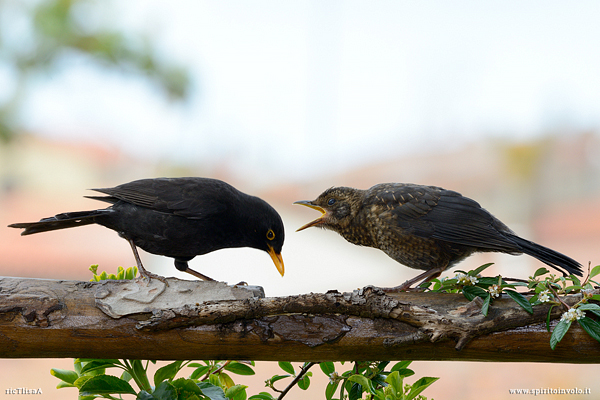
{"points": [[60, 221], [549, 257]]}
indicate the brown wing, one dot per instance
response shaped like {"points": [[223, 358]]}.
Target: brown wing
{"points": [[433, 212]]}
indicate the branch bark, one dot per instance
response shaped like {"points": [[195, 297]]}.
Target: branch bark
{"points": [[210, 320]]}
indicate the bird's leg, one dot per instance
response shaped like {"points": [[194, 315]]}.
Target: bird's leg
{"points": [[182, 265], [426, 276], [141, 269]]}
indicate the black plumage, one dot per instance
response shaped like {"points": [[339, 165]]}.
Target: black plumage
{"points": [[423, 227], [179, 218]]}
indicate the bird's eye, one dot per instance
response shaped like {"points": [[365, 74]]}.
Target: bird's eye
{"points": [[331, 201], [270, 234]]}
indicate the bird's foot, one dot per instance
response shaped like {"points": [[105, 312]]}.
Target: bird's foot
{"points": [[402, 288], [198, 274], [148, 276]]}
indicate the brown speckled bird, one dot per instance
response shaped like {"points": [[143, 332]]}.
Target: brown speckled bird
{"points": [[423, 227]]}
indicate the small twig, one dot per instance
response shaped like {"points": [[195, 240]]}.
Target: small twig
{"points": [[215, 371], [587, 278], [558, 298], [302, 372]]}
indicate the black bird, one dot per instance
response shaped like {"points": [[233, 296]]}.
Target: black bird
{"points": [[423, 227], [179, 218]]}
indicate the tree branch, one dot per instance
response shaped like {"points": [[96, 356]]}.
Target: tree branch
{"points": [[210, 320], [296, 379]]}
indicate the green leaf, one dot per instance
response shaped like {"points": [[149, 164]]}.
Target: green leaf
{"points": [[211, 391], [330, 390], [239, 368], [98, 364], [486, 305], [589, 306], [382, 364], [143, 395], [235, 390], [304, 383], [571, 288], [419, 386], [486, 282], [470, 292], [327, 367], [595, 271], [199, 371], [167, 373], [226, 380], [362, 381], [262, 396], [164, 391], [131, 273], [186, 385], [559, 332], [64, 375], [400, 365], [63, 384], [139, 375], [287, 367], [105, 384], [82, 380], [355, 392], [404, 372], [276, 378], [520, 299], [396, 381], [591, 327], [480, 269], [540, 271]]}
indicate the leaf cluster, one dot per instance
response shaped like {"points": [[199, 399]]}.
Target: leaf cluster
{"points": [[372, 380], [543, 291], [208, 381], [550, 290]]}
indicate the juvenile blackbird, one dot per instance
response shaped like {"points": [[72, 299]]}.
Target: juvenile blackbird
{"points": [[179, 218], [423, 227]]}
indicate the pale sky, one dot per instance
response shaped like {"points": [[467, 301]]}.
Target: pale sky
{"points": [[290, 88]]}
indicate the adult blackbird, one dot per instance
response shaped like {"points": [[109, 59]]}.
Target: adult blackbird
{"points": [[423, 227], [179, 218]]}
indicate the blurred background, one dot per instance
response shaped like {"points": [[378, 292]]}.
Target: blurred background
{"points": [[499, 101]]}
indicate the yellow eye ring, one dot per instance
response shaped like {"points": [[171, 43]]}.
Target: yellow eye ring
{"points": [[270, 234]]}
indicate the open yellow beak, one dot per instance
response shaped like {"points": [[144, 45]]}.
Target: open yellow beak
{"points": [[316, 221], [277, 260]]}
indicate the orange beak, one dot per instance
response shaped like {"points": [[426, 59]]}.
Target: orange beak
{"points": [[277, 260], [317, 221]]}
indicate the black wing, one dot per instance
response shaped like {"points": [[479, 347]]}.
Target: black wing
{"points": [[433, 212], [192, 198]]}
